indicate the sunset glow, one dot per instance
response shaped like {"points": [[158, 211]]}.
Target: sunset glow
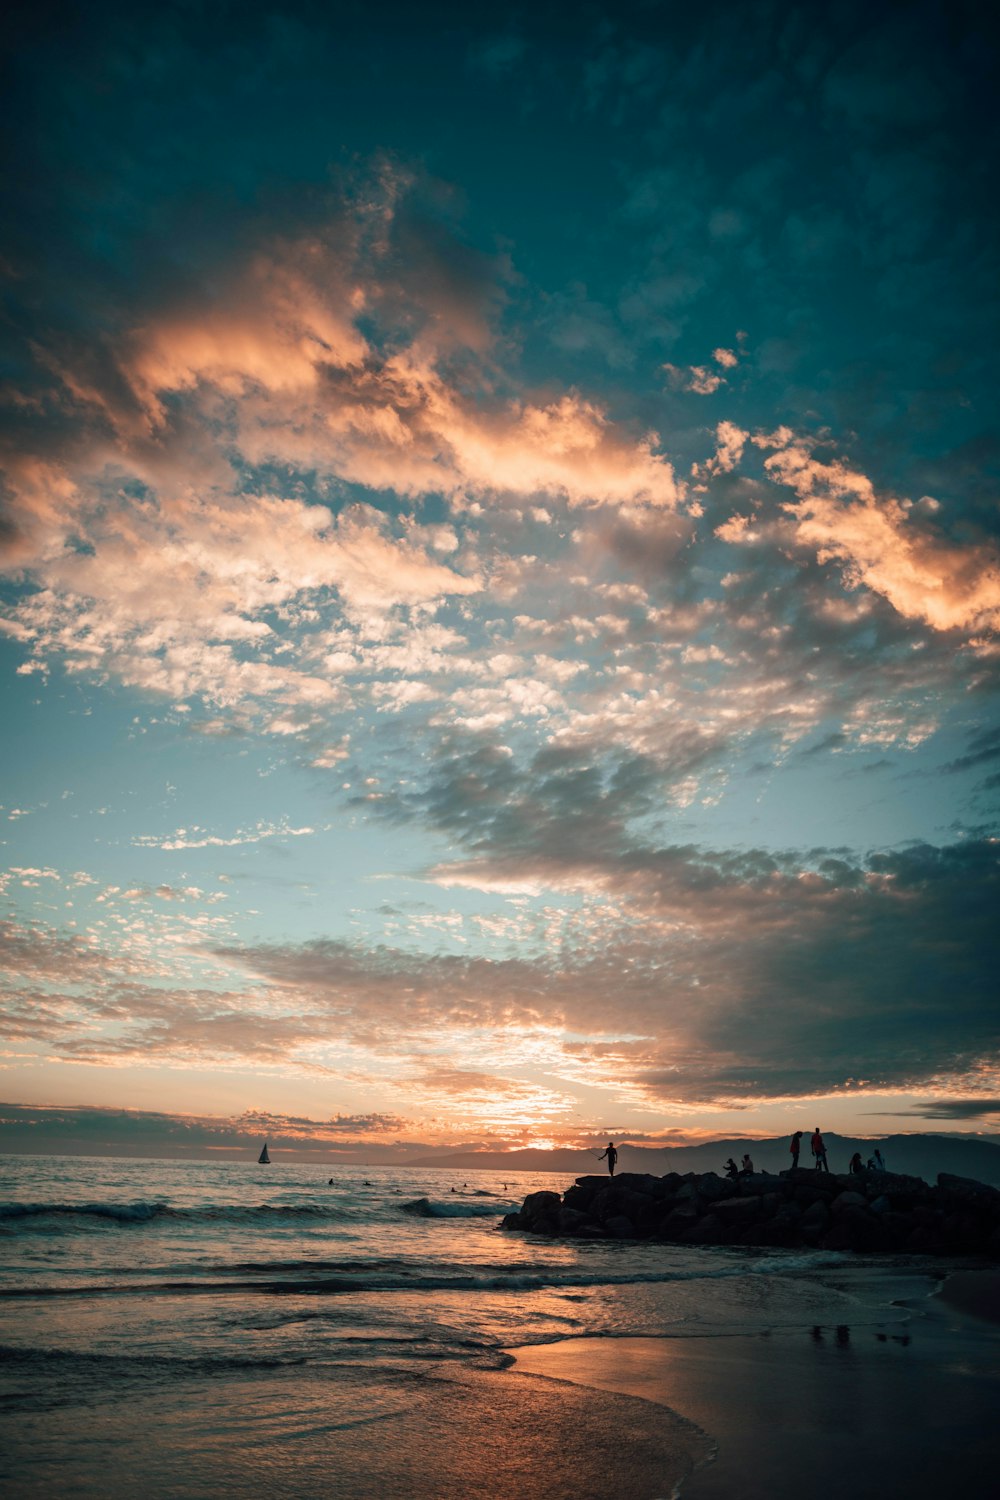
{"points": [[500, 608]]}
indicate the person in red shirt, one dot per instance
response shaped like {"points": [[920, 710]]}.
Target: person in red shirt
{"points": [[795, 1147], [819, 1152]]}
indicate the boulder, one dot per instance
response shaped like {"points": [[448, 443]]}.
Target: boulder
{"points": [[540, 1212], [706, 1231], [814, 1221], [582, 1194], [965, 1190], [760, 1183], [847, 1200], [735, 1211], [711, 1188], [874, 1211], [677, 1220]]}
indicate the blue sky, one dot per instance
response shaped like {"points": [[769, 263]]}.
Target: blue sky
{"points": [[500, 590]]}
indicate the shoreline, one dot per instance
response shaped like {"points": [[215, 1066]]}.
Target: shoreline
{"points": [[904, 1405]]}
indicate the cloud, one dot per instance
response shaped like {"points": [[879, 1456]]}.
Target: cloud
{"points": [[134, 1132], [886, 545], [956, 1109], [197, 838], [699, 379]]}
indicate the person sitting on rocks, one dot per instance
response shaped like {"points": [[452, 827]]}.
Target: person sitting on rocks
{"points": [[795, 1147], [747, 1168], [819, 1152], [612, 1155], [877, 1161], [732, 1170], [856, 1165]]}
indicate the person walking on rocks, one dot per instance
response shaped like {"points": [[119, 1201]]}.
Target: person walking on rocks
{"points": [[612, 1155], [819, 1152], [795, 1148]]}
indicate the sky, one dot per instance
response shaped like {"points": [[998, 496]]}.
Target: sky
{"points": [[499, 573]]}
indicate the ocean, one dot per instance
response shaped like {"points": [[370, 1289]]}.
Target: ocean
{"points": [[208, 1329]]}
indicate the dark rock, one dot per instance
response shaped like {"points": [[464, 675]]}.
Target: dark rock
{"points": [[620, 1227], [711, 1188], [847, 1200], [638, 1182], [862, 1212], [540, 1212], [777, 1233], [678, 1220], [735, 1211], [814, 1222], [571, 1220], [964, 1190], [583, 1192], [759, 1184], [706, 1231]]}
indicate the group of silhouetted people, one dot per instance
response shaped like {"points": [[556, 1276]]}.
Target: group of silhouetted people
{"points": [[817, 1145], [875, 1162]]}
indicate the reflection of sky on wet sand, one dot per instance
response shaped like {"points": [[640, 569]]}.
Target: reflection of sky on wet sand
{"points": [[904, 1408]]}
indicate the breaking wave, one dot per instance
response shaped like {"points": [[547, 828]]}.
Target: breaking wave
{"points": [[429, 1208], [142, 1212]]}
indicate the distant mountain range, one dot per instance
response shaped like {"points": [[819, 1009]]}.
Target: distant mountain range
{"points": [[920, 1155]]}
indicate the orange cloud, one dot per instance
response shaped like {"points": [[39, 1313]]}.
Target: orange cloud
{"points": [[884, 544]]}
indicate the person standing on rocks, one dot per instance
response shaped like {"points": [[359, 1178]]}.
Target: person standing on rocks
{"points": [[795, 1148], [612, 1155], [819, 1152]]}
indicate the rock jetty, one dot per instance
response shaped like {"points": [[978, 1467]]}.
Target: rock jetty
{"points": [[871, 1211]]}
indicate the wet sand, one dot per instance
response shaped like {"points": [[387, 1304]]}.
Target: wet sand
{"points": [[908, 1408], [976, 1293], [446, 1433]]}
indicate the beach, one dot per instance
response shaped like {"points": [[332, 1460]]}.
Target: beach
{"points": [[812, 1412], [188, 1329]]}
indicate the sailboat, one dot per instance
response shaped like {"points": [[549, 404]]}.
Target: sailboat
{"points": [[263, 1159]]}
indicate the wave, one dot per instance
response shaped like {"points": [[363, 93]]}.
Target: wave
{"points": [[119, 1213], [14, 1214], [18, 1354], [430, 1208], [331, 1278]]}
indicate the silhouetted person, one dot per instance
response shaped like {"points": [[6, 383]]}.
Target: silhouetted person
{"points": [[819, 1152], [877, 1160], [612, 1156], [795, 1147], [747, 1168], [732, 1170], [856, 1165]]}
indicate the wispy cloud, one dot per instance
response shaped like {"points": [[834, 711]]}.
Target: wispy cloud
{"points": [[198, 838]]}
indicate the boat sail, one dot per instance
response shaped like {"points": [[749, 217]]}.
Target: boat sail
{"points": [[263, 1159]]}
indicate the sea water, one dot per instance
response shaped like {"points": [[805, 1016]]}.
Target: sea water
{"points": [[188, 1328]]}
